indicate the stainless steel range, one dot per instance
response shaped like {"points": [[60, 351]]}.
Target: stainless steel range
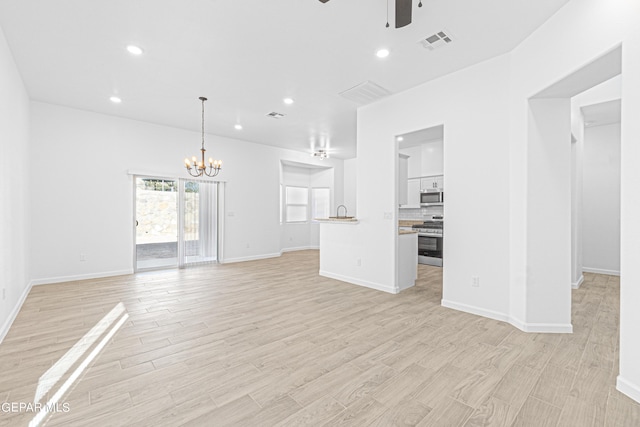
{"points": [[430, 240]]}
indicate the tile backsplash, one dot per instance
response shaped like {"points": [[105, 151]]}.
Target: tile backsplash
{"points": [[420, 213]]}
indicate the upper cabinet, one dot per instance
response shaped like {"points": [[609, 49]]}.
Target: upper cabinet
{"points": [[432, 183], [424, 164], [408, 189], [432, 158], [425, 159], [413, 196]]}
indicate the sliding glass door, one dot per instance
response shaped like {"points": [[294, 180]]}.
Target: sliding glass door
{"points": [[176, 222], [156, 223]]}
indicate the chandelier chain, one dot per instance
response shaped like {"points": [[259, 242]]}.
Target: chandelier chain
{"points": [[203, 99]]}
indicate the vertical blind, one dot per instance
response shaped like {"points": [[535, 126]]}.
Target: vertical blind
{"points": [[198, 215]]}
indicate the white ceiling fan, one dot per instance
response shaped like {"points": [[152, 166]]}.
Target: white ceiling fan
{"points": [[403, 12]]}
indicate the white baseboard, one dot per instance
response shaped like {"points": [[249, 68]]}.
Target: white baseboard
{"points": [[360, 282], [267, 256], [300, 248], [628, 388], [548, 328], [14, 312], [601, 271], [545, 328], [517, 323], [251, 258], [576, 285], [475, 310], [51, 280]]}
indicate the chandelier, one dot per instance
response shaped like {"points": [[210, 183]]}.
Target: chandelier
{"points": [[196, 168]]}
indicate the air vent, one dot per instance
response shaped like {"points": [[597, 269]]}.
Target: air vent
{"points": [[275, 115], [439, 39], [365, 93]]}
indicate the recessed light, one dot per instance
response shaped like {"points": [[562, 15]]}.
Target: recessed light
{"points": [[115, 100], [288, 101], [400, 139], [135, 50], [382, 53], [238, 127]]}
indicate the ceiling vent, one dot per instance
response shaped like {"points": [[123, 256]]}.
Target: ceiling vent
{"points": [[365, 93], [275, 115], [439, 39]]}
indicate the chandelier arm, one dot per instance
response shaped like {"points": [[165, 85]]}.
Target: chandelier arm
{"points": [[212, 172]]}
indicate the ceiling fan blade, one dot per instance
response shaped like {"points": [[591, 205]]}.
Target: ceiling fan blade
{"points": [[403, 13]]}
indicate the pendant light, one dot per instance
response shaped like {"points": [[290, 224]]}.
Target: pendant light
{"points": [[197, 169]]}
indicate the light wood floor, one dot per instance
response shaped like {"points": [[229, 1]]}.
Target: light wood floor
{"points": [[271, 343]]}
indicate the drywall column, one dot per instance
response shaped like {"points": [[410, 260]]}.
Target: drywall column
{"points": [[576, 241], [629, 378], [14, 190], [549, 216]]}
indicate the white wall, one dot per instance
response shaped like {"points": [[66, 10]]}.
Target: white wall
{"points": [[601, 198], [576, 205], [475, 146], [564, 44], [350, 184], [82, 197], [548, 244], [629, 378], [15, 169]]}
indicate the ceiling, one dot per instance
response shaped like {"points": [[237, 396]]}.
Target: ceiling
{"points": [[419, 137], [246, 56]]}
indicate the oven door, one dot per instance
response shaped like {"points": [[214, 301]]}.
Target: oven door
{"points": [[430, 249]]}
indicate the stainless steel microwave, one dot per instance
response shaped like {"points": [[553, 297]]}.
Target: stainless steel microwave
{"points": [[432, 198]]}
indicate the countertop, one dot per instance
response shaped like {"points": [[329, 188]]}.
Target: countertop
{"points": [[401, 232], [409, 222], [338, 220]]}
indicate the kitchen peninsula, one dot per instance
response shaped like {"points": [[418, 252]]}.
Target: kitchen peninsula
{"points": [[341, 259]]}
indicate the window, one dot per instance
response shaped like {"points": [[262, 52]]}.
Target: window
{"points": [[320, 203], [297, 204]]}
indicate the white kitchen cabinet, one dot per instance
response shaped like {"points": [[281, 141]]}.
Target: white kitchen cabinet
{"points": [[432, 183], [413, 194], [403, 174]]}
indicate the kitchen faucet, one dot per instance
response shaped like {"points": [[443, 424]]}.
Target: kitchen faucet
{"points": [[338, 211]]}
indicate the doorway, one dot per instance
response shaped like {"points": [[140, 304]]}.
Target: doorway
{"points": [[420, 206], [549, 195], [176, 223]]}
